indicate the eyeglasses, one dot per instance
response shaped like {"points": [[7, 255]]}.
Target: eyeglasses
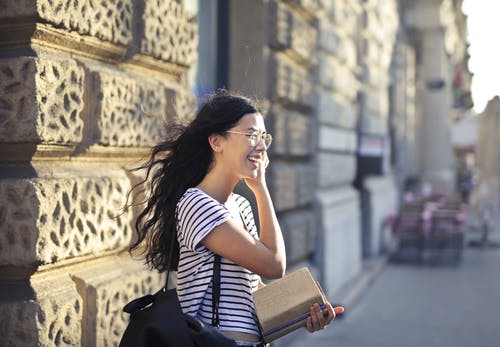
{"points": [[255, 137]]}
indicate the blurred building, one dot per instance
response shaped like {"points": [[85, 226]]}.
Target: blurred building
{"points": [[360, 96], [488, 161]]}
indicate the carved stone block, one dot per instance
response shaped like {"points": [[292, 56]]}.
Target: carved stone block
{"points": [[299, 233], [309, 6], [290, 32], [130, 112], [374, 76], [377, 102], [343, 14], [170, 33], [290, 82], [108, 20], [373, 123], [106, 286], [340, 223], [9, 9], [292, 132], [292, 185], [373, 51], [336, 139], [284, 182], [40, 100], [335, 169], [17, 324], [335, 111], [277, 122], [306, 186], [337, 77], [181, 105], [328, 39], [51, 318], [48, 219]]}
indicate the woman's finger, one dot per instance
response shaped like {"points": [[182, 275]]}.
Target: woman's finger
{"points": [[338, 310], [317, 317], [309, 326], [331, 313], [266, 160]]}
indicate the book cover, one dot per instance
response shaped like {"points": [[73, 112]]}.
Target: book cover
{"points": [[283, 306]]}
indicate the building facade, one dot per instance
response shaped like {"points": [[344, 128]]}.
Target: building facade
{"points": [[74, 79], [357, 95]]}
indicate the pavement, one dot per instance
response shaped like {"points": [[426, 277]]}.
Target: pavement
{"points": [[407, 305]]}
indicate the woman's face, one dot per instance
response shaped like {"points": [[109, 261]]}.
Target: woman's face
{"points": [[243, 153]]}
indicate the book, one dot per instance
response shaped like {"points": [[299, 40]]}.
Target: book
{"points": [[283, 305]]}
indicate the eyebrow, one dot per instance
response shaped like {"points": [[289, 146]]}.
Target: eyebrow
{"points": [[256, 129]]}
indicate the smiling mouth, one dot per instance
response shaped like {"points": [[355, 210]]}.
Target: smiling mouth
{"points": [[254, 160]]}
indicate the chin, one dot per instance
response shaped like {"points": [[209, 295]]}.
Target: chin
{"points": [[252, 174]]}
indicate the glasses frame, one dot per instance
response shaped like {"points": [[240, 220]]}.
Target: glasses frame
{"points": [[261, 136]]}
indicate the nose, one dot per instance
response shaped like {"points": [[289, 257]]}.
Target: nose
{"points": [[261, 145]]}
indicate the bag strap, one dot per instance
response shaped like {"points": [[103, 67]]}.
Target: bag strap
{"points": [[172, 245], [215, 284], [216, 291]]}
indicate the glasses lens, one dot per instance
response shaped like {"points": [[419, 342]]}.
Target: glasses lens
{"points": [[254, 137], [267, 140]]}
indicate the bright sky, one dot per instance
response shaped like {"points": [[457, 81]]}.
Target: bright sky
{"points": [[484, 27]]}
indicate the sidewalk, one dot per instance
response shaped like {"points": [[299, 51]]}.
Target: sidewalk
{"points": [[409, 305], [347, 296]]}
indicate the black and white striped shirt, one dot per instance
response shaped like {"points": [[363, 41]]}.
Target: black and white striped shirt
{"points": [[197, 215]]}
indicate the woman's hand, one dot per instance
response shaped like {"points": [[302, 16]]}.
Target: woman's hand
{"points": [[317, 320], [260, 180]]}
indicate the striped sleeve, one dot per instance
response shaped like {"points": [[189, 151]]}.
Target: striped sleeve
{"points": [[247, 214], [197, 215]]}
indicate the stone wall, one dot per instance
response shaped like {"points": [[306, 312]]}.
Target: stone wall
{"points": [[84, 90]]}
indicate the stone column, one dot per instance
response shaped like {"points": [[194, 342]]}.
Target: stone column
{"points": [[434, 94], [429, 22], [85, 88]]}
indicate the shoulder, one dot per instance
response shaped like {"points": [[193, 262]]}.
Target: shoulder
{"points": [[194, 196], [195, 199]]}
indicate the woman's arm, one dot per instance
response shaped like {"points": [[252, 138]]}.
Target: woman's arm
{"points": [[266, 256]]}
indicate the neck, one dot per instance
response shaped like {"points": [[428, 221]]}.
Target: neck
{"points": [[218, 185]]}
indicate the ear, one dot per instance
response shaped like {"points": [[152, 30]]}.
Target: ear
{"points": [[215, 141]]}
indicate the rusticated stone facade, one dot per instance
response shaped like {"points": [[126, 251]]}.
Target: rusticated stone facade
{"points": [[85, 88]]}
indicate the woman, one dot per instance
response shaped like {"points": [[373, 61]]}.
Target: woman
{"points": [[194, 172]]}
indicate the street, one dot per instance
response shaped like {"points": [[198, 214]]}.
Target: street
{"points": [[432, 306]]}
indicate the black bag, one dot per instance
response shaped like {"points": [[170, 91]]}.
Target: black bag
{"points": [[156, 320]]}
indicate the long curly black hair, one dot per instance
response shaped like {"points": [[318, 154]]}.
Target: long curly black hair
{"points": [[179, 162]]}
